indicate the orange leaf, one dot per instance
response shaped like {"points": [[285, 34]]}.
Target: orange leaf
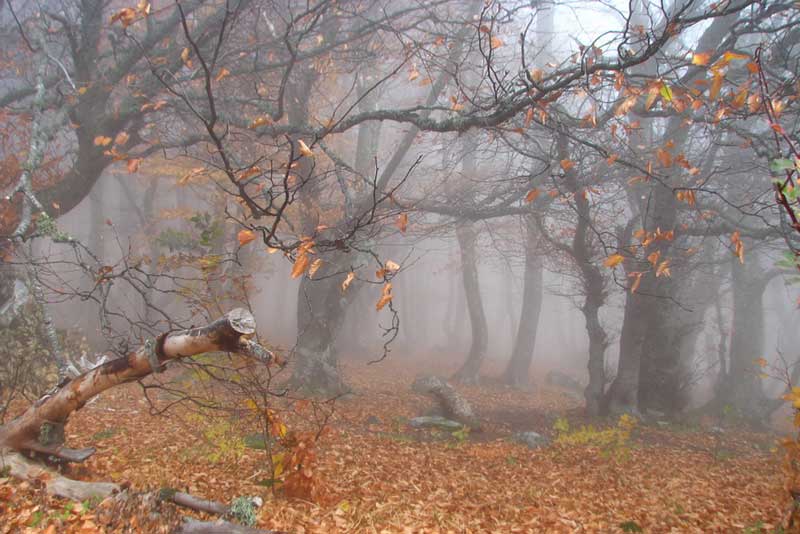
{"points": [[716, 85], [567, 164], [739, 99], [348, 280], [402, 222], [304, 150], [532, 195], [664, 157], [728, 56], [392, 266], [701, 58], [626, 105], [133, 165], [497, 42], [102, 140], [386, 296], [223, 72], [315, 265], [300, 265], [245, 237], [614, 260], [663, 269], [249, 173]]}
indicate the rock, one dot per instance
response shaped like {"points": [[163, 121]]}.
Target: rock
{"points": [[453, 406], [717, 430], [435, 422], [533, 440], [372, 420]]}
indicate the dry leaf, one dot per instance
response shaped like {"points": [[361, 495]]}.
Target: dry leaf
{"points": [[245, 237], [614, 260], [315, 265], [223, 72], [386, 296], [304, 150], [301, 264], [701, 58], [348, 280], [402, 222]]}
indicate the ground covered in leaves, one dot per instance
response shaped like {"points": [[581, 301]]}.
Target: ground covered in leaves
{"points": [[374, 473]]}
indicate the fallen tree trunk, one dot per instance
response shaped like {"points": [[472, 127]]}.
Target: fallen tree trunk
{"points": [[41, 427], [55, 484], [192, 526], [194, 503]]}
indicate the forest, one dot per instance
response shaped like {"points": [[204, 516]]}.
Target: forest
{"points": [[408, 266]]}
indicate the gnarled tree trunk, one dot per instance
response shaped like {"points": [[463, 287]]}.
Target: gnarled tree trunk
{"points": [[321, 310]]}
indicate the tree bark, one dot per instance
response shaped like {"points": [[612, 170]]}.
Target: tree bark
{"points": [[55, 484], [41, 427], [517, 371], [321, 311], [623, 395]]}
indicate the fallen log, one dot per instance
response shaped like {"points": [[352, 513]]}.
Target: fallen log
{"points": [[55, 484], [40, 428], [193, 503], [192, 526]]}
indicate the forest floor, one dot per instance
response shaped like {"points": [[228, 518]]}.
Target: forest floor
{"points": [[377, 474]]}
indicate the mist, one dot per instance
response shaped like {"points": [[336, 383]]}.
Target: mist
{"points": [[339, 256]]}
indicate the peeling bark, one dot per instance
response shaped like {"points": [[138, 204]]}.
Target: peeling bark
{"points": [[41, 427]]}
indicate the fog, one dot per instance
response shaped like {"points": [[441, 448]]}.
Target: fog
{"points": [[570, 225]]}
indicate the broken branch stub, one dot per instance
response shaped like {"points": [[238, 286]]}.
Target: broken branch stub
{"points": [[40, 427]]}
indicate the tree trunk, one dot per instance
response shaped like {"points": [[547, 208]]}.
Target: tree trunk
{"points": [[321, 310], [597, 349], [41, 427], [469, 373], [741, 386], [517, 371], [623, 395]]}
